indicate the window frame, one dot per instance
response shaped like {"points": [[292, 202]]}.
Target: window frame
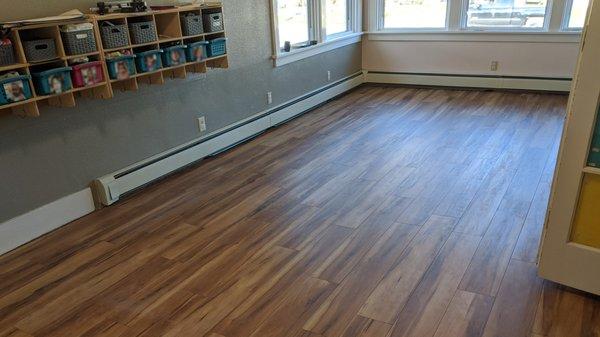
{"points": [[317, 32]]}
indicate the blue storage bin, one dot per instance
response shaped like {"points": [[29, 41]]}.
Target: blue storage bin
{"points": [[148, 61], [217, 47], [53, 81], [15, 89], [174, 56], [122, 67], [196, 51]]}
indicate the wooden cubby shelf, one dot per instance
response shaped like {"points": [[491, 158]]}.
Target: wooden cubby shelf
{"points": [[168, 30]]}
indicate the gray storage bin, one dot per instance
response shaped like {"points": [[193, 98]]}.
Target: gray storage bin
{"points": [[7, 55], [213, 22], [40, 50], [191, 25], [79, 42], [115, 36], [143, 32]]}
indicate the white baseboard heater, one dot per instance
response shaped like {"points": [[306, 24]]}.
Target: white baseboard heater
{"points": [[108, 189], [470, 81]]}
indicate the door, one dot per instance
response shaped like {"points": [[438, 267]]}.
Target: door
{"points": [[570, 246]]}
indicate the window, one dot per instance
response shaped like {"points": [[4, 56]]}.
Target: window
{"points": [[506, 14], [576, 10], [308, 23], [449, 17], [337, 18], [415, 13]]}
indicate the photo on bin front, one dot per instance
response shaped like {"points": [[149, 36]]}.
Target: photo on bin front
{"points": [[151, 62], [90, 76], [176, 58], [56, 83], [14, 91], [121, 68]]}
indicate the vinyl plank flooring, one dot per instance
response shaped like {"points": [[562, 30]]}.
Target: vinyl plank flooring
{"points": [[386, 212]]}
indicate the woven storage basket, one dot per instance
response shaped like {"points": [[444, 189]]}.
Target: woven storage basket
{"points": [[79, 42], [191, 25], [115, 36], [40, 50], [143, 32], [7, 55]]}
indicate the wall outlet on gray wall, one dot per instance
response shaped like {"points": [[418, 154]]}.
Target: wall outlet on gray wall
{"points": [[269, 97], [202, 124], [328, 75]]}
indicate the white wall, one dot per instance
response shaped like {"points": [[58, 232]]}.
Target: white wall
{"points": [[546, 54], [550, 59]]}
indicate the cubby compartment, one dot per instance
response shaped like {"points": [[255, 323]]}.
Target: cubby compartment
{"points": [[78, 38], [213, 20], [121, 67], [142, 30], [42, 44], [191, 23], [52, 79], [149, 60], [168, 27], [15, 86], [114, 33]]}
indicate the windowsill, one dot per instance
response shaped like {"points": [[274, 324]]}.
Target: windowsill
{"points": [[302, 53], [477, 36]]}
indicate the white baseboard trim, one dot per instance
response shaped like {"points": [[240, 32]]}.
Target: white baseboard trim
{"points": [[108, 189], [31, 225], [489, 82]]}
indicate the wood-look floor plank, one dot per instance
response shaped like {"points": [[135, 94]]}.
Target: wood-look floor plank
{"points": [[426, 306], [390, 295], [514, 308], [366, 327], [466, 315], [332, 318]]}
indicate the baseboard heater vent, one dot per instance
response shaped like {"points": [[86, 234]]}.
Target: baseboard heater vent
{"points": [[108, 189], [471, 81]]}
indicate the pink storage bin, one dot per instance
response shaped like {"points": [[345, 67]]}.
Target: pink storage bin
{"points": [[87, 74]]}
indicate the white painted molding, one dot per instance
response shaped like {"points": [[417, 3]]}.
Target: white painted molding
{"points": [[475, 36], [31, 225], [442, 80], [299, 54]]}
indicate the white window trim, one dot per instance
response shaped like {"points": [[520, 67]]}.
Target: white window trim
{"points": [[555, 24], [324, 43], [302, 53]]}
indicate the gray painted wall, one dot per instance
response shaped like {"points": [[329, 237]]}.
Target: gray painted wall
{"points": [[61, 152]]}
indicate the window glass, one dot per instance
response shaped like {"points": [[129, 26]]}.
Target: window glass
{"points": [[415, 13], [292, 16], [336, 16], [577, 14], [501, 14]]}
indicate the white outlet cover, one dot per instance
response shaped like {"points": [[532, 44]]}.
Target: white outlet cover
{"points": [[202, 124]]}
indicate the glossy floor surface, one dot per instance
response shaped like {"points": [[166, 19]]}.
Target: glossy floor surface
{"points": [[387, 212]]}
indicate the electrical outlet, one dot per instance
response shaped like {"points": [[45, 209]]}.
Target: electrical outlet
{"points": [[269, 97], [202, 124], [494, 66], [328, 75]]}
